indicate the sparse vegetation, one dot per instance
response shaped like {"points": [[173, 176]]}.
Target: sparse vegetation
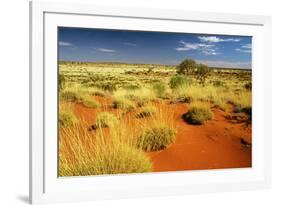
{"points": [[131, 109]]}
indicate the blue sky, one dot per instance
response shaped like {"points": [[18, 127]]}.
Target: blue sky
{"points": [[99, 45]]}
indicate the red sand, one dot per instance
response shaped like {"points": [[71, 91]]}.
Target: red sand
{"points": [[214, 145]]}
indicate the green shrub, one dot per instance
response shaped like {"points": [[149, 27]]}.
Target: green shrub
{"points": [[198, 114], [105, 119], [147, 111], [159, 89], [113, 159], [156, 138], [66, 118], [90, 103], [124, 104], [186, 67], [202, 73], [179, 81]]}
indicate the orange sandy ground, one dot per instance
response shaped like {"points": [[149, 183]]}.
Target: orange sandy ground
{"points": [[214, 145]]}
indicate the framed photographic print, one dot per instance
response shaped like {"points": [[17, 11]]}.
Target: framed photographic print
{"points": [[129, 102]]}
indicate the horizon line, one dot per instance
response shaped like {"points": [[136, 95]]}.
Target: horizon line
{"points": [[121, 62]]}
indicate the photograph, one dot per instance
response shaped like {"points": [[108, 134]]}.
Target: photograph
{"points": [[132, 101]]}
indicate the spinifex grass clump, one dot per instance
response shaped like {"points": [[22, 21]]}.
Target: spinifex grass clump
{"points": [[90, 102], [160, 89], [105, 119], [147, 111], [66, 117], [71, 95], [156, 138], [198, 114], [119, 159], [157, 132], [98, 92], [124, 104], [84, 153]]}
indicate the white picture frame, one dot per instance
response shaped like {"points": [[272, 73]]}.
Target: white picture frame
{"points": [[45, 187]]}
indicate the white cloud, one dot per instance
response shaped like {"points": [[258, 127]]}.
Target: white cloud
{"points": [[106, 50], [226, 64], [247, 48], [242, 50], [63, 43], [215, 39], [206, 49], [129, 44]]}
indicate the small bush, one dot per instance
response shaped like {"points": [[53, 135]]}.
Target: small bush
{"points": [[66, 118], [90, 103], [248, 86], [124, 104], [71, 96], [105, 119], [156, 138], [198, 114], [147, 111], [159, 89], [178, 81], [98, 93]]}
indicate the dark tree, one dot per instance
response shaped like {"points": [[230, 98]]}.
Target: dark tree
{"points": [[186, 67], [202, 73]]}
